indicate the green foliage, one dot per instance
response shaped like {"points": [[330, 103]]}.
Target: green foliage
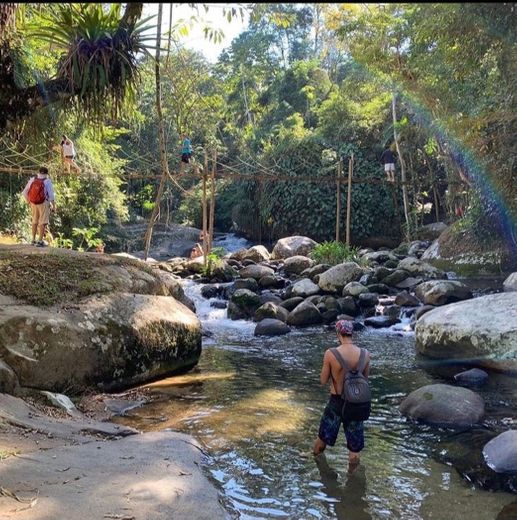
{"points": [[100, 54], [334, 253], [62, 242], [303, 86], [87, 237], [213, 261]]}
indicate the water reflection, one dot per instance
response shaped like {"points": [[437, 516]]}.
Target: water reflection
{"points": [[351, 497], [256, 404]]}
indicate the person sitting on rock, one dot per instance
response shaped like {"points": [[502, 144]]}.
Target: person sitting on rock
{"points": [[332, 419], [197, 251]]}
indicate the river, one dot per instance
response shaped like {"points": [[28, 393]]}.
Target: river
{"points": [[255, 405]]}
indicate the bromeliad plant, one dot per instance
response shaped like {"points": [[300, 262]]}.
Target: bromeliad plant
{"points": [[100, 53]]}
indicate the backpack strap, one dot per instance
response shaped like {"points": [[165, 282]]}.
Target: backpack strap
{"points": [[361, 365], [340, 358]]}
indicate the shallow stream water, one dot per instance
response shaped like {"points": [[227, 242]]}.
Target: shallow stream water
{"points": [[255, 405]]}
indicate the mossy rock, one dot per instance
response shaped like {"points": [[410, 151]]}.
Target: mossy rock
{"points": [[45, 277]]}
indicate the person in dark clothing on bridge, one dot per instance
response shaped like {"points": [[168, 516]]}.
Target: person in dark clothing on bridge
{"points": [[388, 159]]}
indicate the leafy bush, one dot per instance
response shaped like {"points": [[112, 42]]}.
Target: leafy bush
{"points": [[334, 253], [88, 238], [213, 260]]}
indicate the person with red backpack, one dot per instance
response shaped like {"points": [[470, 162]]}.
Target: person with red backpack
{"points": [[39, 193], [347, 368]]}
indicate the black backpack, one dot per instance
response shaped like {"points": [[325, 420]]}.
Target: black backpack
{"points": [[356, 392]]}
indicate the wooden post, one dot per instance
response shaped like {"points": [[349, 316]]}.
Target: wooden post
{"points": [[402, 168], [259, 220], [349, 198], [436, 205], [338, 197], [205, 213], [212, 202]]}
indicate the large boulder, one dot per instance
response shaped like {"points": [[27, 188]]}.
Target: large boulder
{"points": [[312, 272], [347, 305], [306, 313], [292, 246], [255, 253], [305, 288], [510, 284], [109, 342], [245, 283], [224, 272], [354, 289], [291, 303], [418, 267], [474, 376], [408, 283], [196, 265], [268, 296], [379, 322], [256, 272], [335, 279], [395, 277], [271, 282], [444, 405], [297, 264], [481, 331], [404, 299], [432, 231], [442, 292], [243, 304], [501, 452], [379, 257], [271, 310], [97, 321], [8, 379], [271, 327], [368, 300], [417, 248]]}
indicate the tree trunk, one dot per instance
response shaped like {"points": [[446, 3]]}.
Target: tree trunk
{"points": [[162, 142], [402, 167], [132, 13]]}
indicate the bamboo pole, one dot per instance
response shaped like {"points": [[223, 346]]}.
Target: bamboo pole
{"points": [[436, 204], [212, 202], [402, 167], [161, 135], [205, 213], [259, 220], [349, 198], [338, 197]]}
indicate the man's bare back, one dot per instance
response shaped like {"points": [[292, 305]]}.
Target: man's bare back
{"points": [[334, 371]]}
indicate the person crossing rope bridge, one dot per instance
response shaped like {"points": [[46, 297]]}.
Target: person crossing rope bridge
{"points": [[68, 154], [186, 151], [388, 160]]}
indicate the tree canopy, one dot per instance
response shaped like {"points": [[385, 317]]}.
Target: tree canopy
{"points": [[301, 88]]}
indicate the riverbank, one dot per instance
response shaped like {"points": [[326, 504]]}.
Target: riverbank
{"points": [[82, 323], [54, 467]]}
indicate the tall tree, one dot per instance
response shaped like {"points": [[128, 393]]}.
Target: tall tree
{"points": [[161, 136]]}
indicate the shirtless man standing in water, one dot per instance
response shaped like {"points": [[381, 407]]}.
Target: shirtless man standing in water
{"points": [[331, 419]]}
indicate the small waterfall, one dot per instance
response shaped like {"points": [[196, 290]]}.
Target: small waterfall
{"points": [[406, 318], [215, 321], [231, 242]]}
